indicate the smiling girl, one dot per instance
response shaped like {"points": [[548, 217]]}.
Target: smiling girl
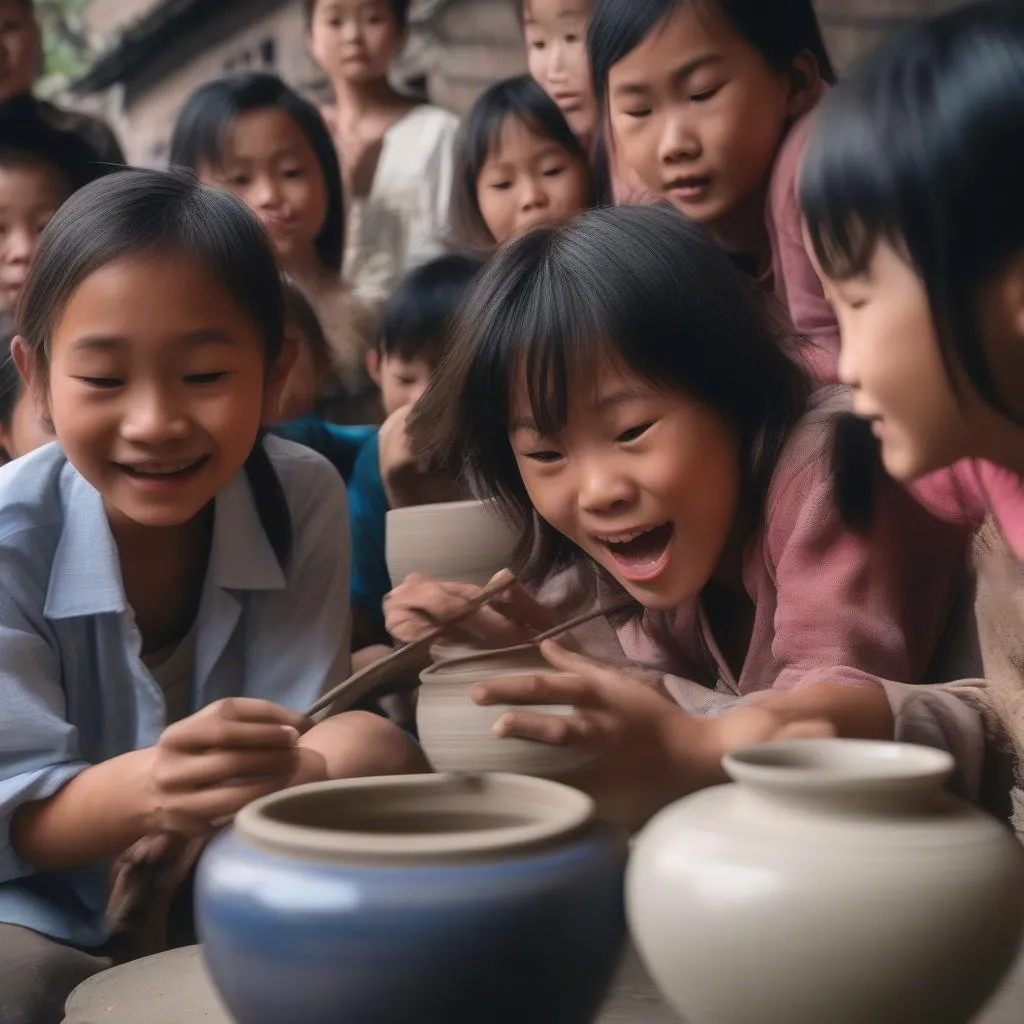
{"points": [[706, 102], [912, 196], [253, 136], [519, 165], [614, 384], [174, 589]]}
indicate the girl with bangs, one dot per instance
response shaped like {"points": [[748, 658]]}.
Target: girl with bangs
{"points": [[911, 191], [622, 396]]}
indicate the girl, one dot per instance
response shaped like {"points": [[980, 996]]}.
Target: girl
{"points": [[620, 393], [912, 197], [396, 153], [173, 588], [707, 103], [519, 165], [22, 427], [253, 136]]}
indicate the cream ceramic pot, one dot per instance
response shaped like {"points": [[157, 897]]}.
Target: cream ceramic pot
{"points": [[836, 881]]}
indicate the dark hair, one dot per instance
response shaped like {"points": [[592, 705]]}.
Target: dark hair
{"points": [[399, 8], [26, 138], [416, 318], [134, 212], [212, 109], [646, 287], [922, 148], [11, 385], [299, 313], [522, 98], [780, 29]]}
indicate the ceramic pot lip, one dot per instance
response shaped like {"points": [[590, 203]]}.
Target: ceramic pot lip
{"points": [[830, 765], [441, 507], [539, 812], [438, 668]]}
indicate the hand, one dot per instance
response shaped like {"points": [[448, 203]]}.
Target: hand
{"points": [[419, 604], [207, 767], [406, 480], [645, 751]]}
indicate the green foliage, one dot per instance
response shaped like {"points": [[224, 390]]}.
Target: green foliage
{"points": [[65, 42]]}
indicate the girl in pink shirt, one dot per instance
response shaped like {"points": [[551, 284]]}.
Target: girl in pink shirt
{"points": [[912, 194], [615, 385], [708, 104]]}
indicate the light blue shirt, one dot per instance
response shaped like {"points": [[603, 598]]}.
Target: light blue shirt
{"points": [[73, 688]]}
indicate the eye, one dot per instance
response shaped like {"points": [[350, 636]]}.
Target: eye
{"points": [[545, 457], [102, 383], [572, 38], [537, 44], [554, 172], [634, 433], [500, 186], [206, 378], [293, 172], [703, 97], [238, 180], [407, 382], [638, 114]]}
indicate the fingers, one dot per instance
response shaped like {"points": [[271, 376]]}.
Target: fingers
{"points": [[222, 767], [535, 689], [588, 729], [200, 733], [579, 664], [196, 813]]}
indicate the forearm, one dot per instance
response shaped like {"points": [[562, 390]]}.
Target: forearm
{"points": [[96, 816], [854, 712]]}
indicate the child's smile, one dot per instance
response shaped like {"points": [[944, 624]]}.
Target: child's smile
{"points": [[644, 480]]}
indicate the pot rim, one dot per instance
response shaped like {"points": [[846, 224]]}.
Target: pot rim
{"points": [[831, 764], [541, 812], [440, 507]]}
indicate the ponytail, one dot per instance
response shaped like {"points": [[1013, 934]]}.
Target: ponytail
{"points": [[271, 503]]}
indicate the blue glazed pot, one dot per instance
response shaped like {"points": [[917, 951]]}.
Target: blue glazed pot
{"points": [[414, 900]]}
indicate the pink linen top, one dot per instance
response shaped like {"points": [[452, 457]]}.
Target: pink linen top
{"points": [[793, 278], [831, 605], [973, 489]]}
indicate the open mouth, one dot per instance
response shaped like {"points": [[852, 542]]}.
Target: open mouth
{"points": [[692, 187], [641, 554], [164, 471]]}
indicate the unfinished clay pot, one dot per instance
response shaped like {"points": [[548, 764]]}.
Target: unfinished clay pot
{"points": [[458, 735], [457, 540], [425, 899]]}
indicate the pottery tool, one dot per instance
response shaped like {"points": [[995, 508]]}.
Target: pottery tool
{"points": [[408, 657]]}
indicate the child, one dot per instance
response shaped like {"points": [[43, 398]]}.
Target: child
{"points": [[22, 427], [413, 335], [298, 417], [40, 167], [912, 196], [252, 135], [396, 153], [174, 589], [519, 165], [614, 384], [706, 103], [21, 47]]}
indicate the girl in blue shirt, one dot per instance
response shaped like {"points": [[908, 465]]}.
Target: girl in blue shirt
{"points": [[173, 588]]}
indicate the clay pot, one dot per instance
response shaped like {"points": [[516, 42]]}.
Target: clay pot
{"points": [[424, 899], [835, 881], [458, 735], [456, 540]]}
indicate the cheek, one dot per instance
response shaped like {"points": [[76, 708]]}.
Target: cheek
{"points": [[495, 211]]}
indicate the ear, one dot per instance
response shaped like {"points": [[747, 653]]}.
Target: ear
{"points": [[373, 365], [25, 361], [1011, 296], [277, 377], [805, 84]]}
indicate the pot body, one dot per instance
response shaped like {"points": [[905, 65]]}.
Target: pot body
{"points": [[457, 735], [762, 904], [527, 936]]}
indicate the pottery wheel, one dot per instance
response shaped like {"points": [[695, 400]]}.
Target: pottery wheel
{"points": [[170, 988]]}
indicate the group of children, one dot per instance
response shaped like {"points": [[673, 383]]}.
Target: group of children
{"points": [[767, 405]]}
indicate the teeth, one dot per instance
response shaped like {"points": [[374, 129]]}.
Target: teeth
{"points": [[625, 538], [163, 469]]}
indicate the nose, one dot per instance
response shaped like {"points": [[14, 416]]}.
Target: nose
{"points": [[351, 30], [846, 365], [556, 62], [19, 245], [266, 194], [154, 416], [678, 140], [602, 487], [533, 195]]}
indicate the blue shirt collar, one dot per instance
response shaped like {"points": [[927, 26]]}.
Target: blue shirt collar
{"points": [[85, 578]]}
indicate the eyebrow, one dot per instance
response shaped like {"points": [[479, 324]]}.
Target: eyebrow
{"points": [[691, 67], [605, 403], [202, 338]]}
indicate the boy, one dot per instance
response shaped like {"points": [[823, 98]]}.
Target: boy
{"points": [[413, 335]]}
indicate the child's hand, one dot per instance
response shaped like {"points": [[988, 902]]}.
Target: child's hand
{"points": [[207, 767], [406, 480], [646, 751], [418, 605]]}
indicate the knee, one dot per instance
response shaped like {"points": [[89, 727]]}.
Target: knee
{"points": [[357, 743]]}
